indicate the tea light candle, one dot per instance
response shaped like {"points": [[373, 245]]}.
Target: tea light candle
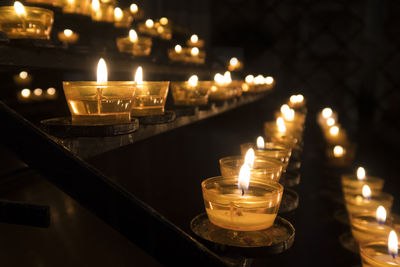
{"points": [[82, 7], [135, 45], [381, 253], [367, 202], [150, 97], [369, 227], [352, 184], [338, 151], [191, 93], [221, 89], [234, 64], [101, 102], [102, 11], [68, 36], [122, 18], [296, 101], [260, 167], [195, 41], [240, 204]]}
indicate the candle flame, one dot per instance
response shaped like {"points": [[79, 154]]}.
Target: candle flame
{"points": [[164, 21], [269, 80], [244, 178], [361, 173], [219, 78], [233, 62], [133, 36], [327, 112], [134, 8], [118, 14], [102, 75], [25, 93], [95, 5], [195, 51], [287, 112], [300, 98], [178, 49], [149, 23], [366, 191], [23, 75], [296, 99], [249, 78], [71, 2], [285, 108], [139, 75], [381, 214], [19, 8], [193, 80], [194, 38], [68, 32], [334, 130], [227, 77], [259, 79], [249, 157], [281, 125], [393, 244], [338, 151], [260, 143], [330, 121]]}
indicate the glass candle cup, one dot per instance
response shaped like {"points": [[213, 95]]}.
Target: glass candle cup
{"points": [[272, 150], [141, 47], [104, 13], [271, 130], [199, 43], [236, 87], [365, 227], [226, 207], [375, 254], [125, 21], [356, 203], [263, 168], [36, 23], [220, 92], [352, 185], [150, 98], [68, 39], [185, 94], [99, 103], [57, 3], [175, 56], [82, 7], [156, 30]]}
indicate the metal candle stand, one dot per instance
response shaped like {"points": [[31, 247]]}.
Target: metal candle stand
{"points": [[289, 202], [168, 116], [290, 178]]}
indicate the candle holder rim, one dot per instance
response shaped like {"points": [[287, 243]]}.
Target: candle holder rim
{"points": [[263, 159], [95, 83], [31, 8], [363, 247]]}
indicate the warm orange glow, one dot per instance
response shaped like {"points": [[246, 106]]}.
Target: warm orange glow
{"points": [[259, 79], [260, 143], [38, 92], [334, 130], [366, 191], [227, 77], [51, 91], [118, 14], [193, 80], [23, 75], [133, 36], [95, 5], [219, 78], [139, 75], [19, 8], [194, 38], [393, 244], [149, 23], [326, 113], [244, 178], [338, 151], [330, 121], [249, 157], [361, 173], [194, 51], [249, 79], [381, 214], [68, 32], [280, 123], [164, 21], [269, 80], [178, 49], [134, 8], [102, 75], [25, 93], [234, 62]]}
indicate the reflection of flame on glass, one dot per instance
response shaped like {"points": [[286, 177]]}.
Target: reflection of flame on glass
{"points": [[233, 62], [194, 38], [193, 80], [133, 36], [244, 178], [249, 78], [19, 8], [102, 75], [361, 173], [134, 8], [380, 215], [260, 143], [393, 244], [326, 112], [178, 49], [149, 23], [338, 151], [118, 14], [366, 192], [249, 157]]}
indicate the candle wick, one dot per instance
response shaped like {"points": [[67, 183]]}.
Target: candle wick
{"points": [[242, 191], [394, 255]]}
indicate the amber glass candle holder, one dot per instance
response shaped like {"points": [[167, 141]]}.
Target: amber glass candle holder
{"points": [[99, 103], [157, 30], [82, 7], [272, 150], [185, 94], [375, 254], [356, 203], [69, 38], [35, 24], [141, 47], [352, 185], [220, 92], [236, 87], [199, 43], [226, 207], [105, 13], [150, 98], [365, 227], [57, 3], [125, 21], [175, 56], [263, 168], [271, 130]]}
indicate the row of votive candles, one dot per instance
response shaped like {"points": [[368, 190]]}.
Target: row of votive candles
{"points": [[247, 195], [109, 102], [373, 226]]}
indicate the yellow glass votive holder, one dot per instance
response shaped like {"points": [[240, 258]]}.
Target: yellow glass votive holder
{"points": [[263, 168], [199, 43], [57, 3], [99, 103], [125, 21], [365, 227], [141, 47], [272, 150], [156, 30], [36, 23], [105, 13], [220, 92], [356, 203], [185, 94], [68, 37], [150, 98], [175, 56], [271, 130], [82, 7], [375, 254], [352, 185], [226, 207], [236, 87]]}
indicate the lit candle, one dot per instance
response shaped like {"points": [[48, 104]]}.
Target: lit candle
{"points": [[240, 204], [135, 45], [194, 51], [330, 121], [381, 253], [334, 131], [149, 23], [194, 38], [327, 113], [338, 151], [134, 8], [178, 49], [68, 36], [192, 92], [352, 184], [150, 97], [296, 100], [118, 14], [249, 79]]}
